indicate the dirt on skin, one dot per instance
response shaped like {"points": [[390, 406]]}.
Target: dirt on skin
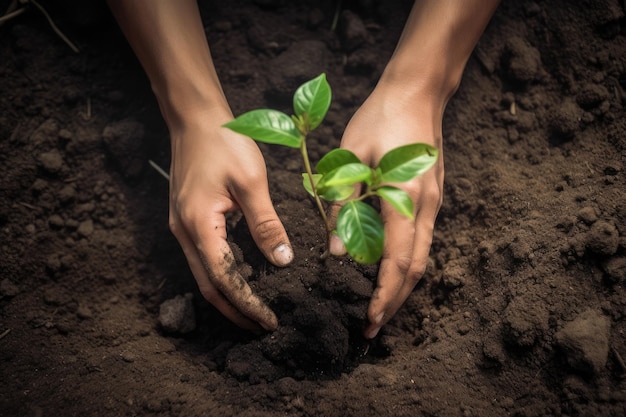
{"points": [[521, 312]]}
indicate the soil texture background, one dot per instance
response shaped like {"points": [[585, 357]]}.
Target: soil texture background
{"points": [[522, 311]]}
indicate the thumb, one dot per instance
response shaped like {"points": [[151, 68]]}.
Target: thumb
{"points": [[337, 248], [267, 230]]}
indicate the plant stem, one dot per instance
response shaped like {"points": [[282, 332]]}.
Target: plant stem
{"points": [[318, 202]]}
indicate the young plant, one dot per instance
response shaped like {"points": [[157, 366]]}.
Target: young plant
{"points": [[339, 171]]}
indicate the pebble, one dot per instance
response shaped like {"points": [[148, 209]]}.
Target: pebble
{"points": [[585, 341], [67, 194], [83, 312], [85, 228], [51, 161], [177, 315], [56, 221]]}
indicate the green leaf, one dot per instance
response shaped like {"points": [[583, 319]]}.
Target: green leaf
{"points": [[407, 162], [334, 159], [336, 193], [269, 126], [360, 228], [347, 175], [398, 198], [306, 182], [312, 100]]}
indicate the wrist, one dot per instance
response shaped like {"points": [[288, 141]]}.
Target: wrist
{"points": [[184, 100]]}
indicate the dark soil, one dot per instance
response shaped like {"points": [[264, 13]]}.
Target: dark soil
{"points": [[522, 310]]}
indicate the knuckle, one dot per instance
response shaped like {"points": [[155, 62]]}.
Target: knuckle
{"points": [[415, 272], [174, 226], [209, 293], [268, 229], [403, 263], [427, 191]]}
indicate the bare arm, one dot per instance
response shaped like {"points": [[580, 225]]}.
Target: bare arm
{"points": [[168, 38], [407, 106]]}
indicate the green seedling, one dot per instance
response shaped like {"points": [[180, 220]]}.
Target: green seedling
{"points": [[338, 173]]}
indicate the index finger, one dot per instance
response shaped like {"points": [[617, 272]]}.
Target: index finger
{"points": [[220, 271]]}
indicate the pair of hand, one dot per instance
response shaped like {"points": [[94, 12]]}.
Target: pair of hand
{"points": [[207, 181]]}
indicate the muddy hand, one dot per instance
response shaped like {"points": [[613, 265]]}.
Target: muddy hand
{"points": [[207, 181], [213, 170]]}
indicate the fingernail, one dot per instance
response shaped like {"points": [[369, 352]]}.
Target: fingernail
{"points": [[372, 333], [337, 247], [379, 318], [283, 254]]}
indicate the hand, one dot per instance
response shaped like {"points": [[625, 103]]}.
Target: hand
{"points": [[386, 121], [214, 171]]}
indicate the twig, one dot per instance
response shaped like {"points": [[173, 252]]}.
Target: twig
{"points": [[30, 206], [159, 169], [4, 333], [11, 15], [333, 26], [53, 26]]}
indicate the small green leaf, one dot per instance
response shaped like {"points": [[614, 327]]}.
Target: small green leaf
{"points": [[334, 159], [336, 193], [347, 175], [360, 228], [398, 198], [306, 182], [407, 162], [312, 100], [269, 126]]}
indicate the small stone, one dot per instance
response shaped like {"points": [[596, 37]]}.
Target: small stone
{"points": [[65, 135], [51, 161], [55, 221], [83, 312], [72, 224], [128, 356], [39, 185], [177, 315], [585, 341], [85, 228], [67, 194]]}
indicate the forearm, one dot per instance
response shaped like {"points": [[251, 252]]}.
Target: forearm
{"points": [[436, 43], [169, 41]]}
